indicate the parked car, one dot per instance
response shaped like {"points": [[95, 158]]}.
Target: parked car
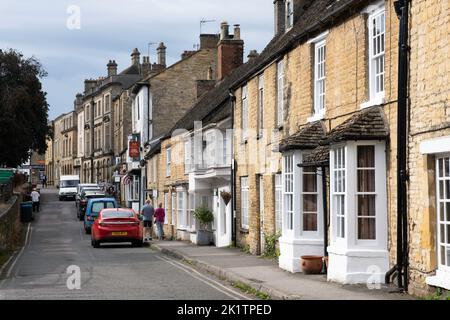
{"points": [[82, 188], [68, 186], [93, 208], [116, 226], [84, 198]]}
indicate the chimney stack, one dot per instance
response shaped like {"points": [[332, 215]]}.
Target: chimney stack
{"points": [[230, 51], [112, 68], [89, 84], [162, 54], [209, 41], [146, 66], [135, 57], [280, 16], [253, 54]]}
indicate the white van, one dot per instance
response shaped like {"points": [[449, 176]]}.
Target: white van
{"points": [[68, 187]]}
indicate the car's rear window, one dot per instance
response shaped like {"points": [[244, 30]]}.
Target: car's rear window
{"points": [[117, 214], [99, 206]]}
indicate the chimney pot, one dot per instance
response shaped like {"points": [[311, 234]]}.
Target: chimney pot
{"points": [[135, 57], [224, 33], [161, 51], [237, 32], [253, 54]]}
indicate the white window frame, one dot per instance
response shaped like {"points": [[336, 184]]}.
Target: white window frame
{"points": [[376, 98], [320, 78], [245, 203], [173, 208], [166, 207], [289, 14], [181, 209], [351, 201], [319, 205], [108, 103], [245, 113], [443, 182], [338, 168], [188, 156], [288, 192], [278, 201], [168, 161], [280, 93], [261, 105]]}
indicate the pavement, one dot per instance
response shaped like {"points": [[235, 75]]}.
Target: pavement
{"points": [[264, 275], [57, 257]]}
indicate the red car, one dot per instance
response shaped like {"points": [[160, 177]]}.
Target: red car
{"points": [[117, 225]]}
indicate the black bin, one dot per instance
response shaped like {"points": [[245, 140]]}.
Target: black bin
{"points": [[26, 212]]}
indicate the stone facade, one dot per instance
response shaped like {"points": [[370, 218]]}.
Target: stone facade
{"points": [[429, 119], [347, 91]]}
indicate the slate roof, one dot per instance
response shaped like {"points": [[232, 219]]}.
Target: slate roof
{"points": [[367, 124], [317, 158], [308, 137]]}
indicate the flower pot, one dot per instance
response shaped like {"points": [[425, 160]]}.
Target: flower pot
{"points": [[311, 264], [204, 237]]}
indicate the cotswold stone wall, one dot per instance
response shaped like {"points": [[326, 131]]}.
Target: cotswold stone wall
{"points": [[346, 90], [430, 118], [10, 225]]}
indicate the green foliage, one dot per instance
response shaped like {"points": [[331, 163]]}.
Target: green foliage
{"points": [[270, 247], [437, 295], [249, 290], [204, 216], [23, 108]]}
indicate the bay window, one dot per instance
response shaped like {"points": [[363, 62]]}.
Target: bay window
{"points": [[366, 193], [174, 205], [338, 191]]}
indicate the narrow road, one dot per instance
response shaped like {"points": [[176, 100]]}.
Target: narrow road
{"points": [[56, 242]]}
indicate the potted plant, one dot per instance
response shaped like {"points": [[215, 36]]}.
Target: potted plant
{"points": [[205, 217]]}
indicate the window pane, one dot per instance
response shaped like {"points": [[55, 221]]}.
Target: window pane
{"points": [[366, 180], [310, 203], [366, 157], [366, 229], [309, 183], [366, 206], [443, 251], [309, 222]]}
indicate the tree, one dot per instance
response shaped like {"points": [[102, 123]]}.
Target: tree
{"points": [[23, 108]]}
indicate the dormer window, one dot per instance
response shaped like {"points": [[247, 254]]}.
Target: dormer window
{"points": [[289, 14]]}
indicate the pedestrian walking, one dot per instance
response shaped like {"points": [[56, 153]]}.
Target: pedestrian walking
{"points": [[160, 215], [44, 181], [148, 212], [35, 198]]}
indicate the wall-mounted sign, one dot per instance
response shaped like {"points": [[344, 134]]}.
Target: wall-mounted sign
{"points": [[134, 147]]}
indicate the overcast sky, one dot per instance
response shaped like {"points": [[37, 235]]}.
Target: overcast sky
{"points": [[110, 29]]}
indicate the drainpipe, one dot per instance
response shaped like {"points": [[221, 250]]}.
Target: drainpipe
{"points": [[401, 269], [233, 175], [325, 214]]}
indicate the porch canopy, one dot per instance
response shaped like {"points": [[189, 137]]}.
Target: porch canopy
{"points": [[308, 137], [367, 124]]}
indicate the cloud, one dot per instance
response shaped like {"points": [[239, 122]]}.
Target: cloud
{"points": [[110, 29]]}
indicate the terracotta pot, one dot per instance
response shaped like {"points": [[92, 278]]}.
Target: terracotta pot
{"points": [[311, 264]]}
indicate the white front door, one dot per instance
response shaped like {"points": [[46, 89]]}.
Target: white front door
{"points": [[222, 213]]}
